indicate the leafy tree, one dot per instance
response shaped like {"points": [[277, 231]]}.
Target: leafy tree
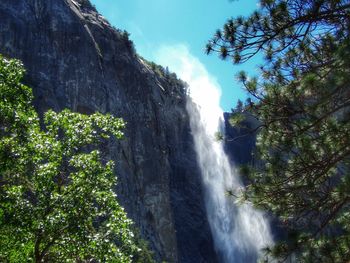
{"points": [[56, 197], [302, 100]]}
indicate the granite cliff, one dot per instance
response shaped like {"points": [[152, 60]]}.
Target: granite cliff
{"points": [[75, 59], [240, 141]]}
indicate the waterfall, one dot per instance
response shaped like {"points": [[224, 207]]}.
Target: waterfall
{"points": [[239, 231]]}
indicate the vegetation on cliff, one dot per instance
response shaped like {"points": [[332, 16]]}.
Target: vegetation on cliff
{"points": [[302, 100], [57, 202]]}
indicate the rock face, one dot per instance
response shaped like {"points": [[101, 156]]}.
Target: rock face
{"points": [[76, 60], [240, 143]]}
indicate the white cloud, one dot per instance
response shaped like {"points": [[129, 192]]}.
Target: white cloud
{"points": [[204, 88]]}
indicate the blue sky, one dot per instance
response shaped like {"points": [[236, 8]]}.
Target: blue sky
{"points": [[155, 25]]}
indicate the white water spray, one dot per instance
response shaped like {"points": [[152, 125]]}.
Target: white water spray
{"points": [[239, 231]]}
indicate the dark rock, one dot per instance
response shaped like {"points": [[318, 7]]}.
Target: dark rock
{"points": [[75, 59], [240, 140]]}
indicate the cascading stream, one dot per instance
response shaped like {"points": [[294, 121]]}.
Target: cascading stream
{"points": [[239, 231]]}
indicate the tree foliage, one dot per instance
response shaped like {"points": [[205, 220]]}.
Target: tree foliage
{"points": [[302, 100], [56, 192]]}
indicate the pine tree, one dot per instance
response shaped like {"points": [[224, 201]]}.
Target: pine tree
{"points": [[302, 101]]}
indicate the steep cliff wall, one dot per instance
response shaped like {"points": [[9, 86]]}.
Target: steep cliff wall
{"points": [[76, 60], [240, 141]]}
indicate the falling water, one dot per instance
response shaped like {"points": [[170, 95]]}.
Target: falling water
{"points": [[239, 231]]}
